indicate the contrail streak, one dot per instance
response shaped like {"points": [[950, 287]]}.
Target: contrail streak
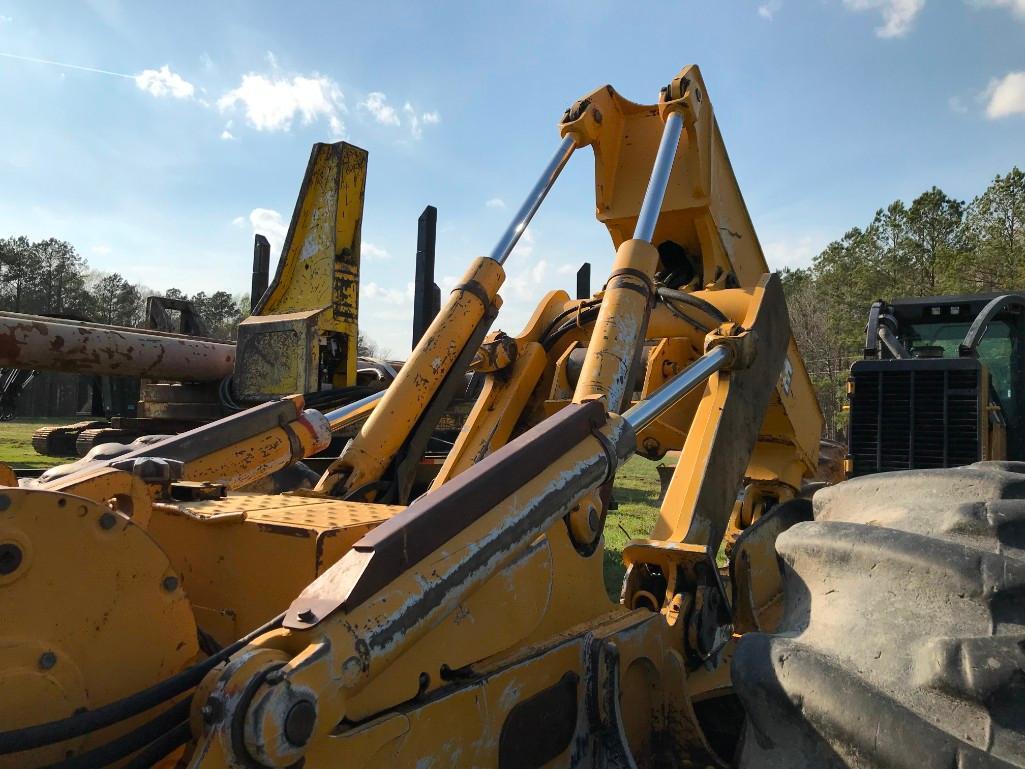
{"points": [[65, 65]]}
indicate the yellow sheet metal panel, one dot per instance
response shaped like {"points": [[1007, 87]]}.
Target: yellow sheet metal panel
{"points": [[320, 260], [75, 582], [244, 558], [278, 355]]}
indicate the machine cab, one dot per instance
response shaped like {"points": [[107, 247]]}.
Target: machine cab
{"points": [[942, 384]]}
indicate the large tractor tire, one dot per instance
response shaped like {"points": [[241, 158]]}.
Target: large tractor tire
{"points": [[902, 642]]}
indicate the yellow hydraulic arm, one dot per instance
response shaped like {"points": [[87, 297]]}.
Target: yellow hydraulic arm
{"points": [[472, 627]]}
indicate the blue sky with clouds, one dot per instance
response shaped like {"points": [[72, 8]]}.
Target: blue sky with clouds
{"points": [[157, 136]]}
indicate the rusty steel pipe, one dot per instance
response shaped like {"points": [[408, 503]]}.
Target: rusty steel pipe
{"points": [[51, 344]]}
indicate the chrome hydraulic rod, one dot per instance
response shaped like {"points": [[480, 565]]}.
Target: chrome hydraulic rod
{"points": [[644, 412], [526, 212], [659, 180], [338, 417]]}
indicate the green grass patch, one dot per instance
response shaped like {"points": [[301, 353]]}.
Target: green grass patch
{"points": [[16, 442], [636, 492]]}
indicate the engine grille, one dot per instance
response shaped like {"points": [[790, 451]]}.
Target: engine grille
{"points": [[910, 414]]}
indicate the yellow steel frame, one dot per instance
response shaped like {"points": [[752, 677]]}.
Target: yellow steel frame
{"points": [[444, 656]]}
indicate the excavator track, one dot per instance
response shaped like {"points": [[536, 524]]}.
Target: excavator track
{"points": [[91, 438], [60, 440]]}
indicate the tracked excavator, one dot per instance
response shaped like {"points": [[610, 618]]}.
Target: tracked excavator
{"points": [[156, 616]]}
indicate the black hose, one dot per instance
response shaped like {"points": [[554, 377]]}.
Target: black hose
{"points": [[76, 725], [160, 747], [552, 335], [677, 312], [581, 308], [127, 744], [696, 302]]}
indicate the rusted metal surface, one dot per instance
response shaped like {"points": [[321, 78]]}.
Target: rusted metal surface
{"points": [[320, 259], [278, 354], [47, 344]]}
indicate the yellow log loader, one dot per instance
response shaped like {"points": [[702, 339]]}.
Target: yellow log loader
{"points": [[155, 616]]}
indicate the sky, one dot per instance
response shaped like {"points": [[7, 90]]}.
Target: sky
{"points": [[158, 137]]}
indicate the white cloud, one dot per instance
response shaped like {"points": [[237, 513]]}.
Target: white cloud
{"points": [[417, 121], [537, 272], [377, 293], [376, 104], [272, 225], [792, 252], [1017, 6], [956, 104], [568, 269], [271, 59], [163, 82], [206, 61], [495, 203], [1006, 96], [769, 9], [266, 222], [898, 15], [226, 134], [370, 251], [100, 249], [524, 246], [273, 103]]}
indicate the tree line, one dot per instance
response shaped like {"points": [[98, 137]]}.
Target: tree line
{"points": [[49, 277], [936, 245]]}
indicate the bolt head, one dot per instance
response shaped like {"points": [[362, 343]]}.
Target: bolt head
{"points": [[107, 521], [299, 723], [212, 711], [10, 558], [47, 660], [170, 583]]}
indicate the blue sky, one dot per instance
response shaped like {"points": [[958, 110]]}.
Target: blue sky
{"points": [[182, 126]]}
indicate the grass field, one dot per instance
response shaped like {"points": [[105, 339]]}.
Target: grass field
{"points": [[16, 442], [636, 492]]}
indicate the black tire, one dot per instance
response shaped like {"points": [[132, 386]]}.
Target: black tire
{"points": [[902, 642]]}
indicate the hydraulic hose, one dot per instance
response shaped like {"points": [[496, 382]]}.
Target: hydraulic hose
{"points": [[123, 746], [696, 302], [160, 747], [37, 736]]}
